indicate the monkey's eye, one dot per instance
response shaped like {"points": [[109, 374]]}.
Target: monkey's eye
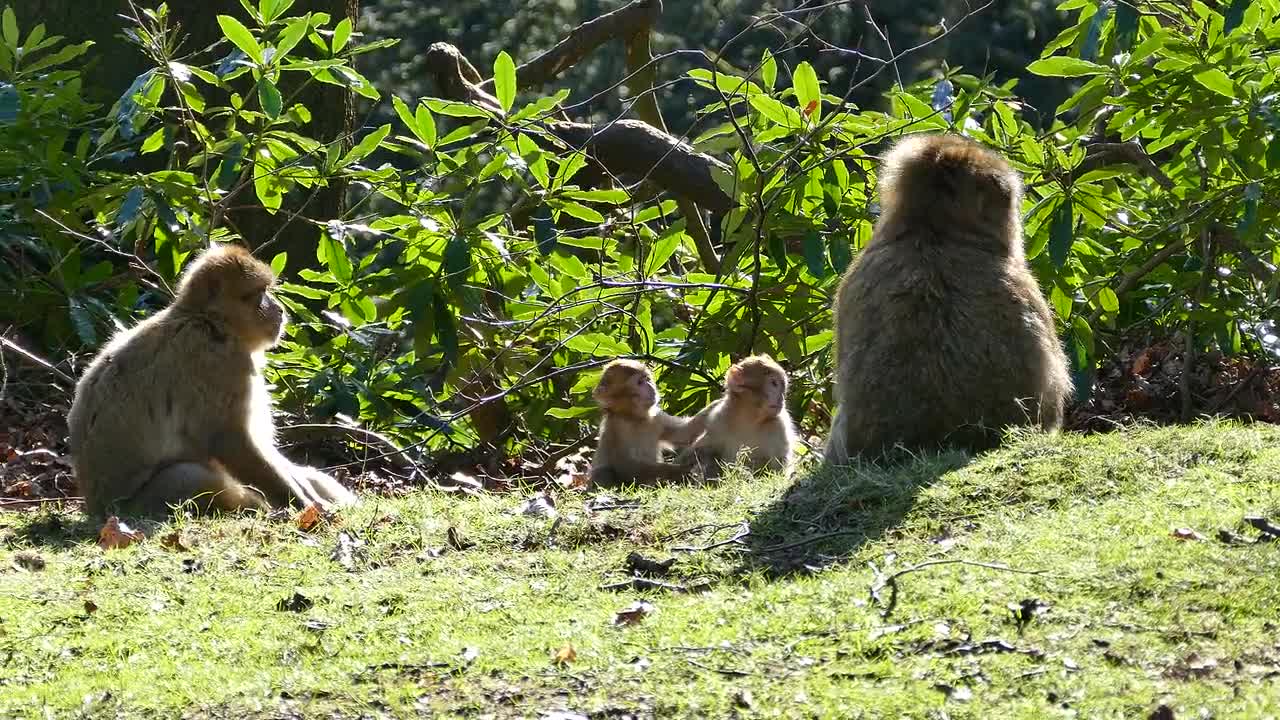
{"points": [[252, 296]]}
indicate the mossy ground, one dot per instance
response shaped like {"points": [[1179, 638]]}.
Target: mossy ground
{"points": [[1062, 590]]}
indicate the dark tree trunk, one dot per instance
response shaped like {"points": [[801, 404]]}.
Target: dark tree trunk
{"points": [[116, 62]]}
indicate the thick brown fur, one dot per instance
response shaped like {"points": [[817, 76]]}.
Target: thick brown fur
{"points": [[634, 430], [942, 334], [176, 409], [750, 422]]}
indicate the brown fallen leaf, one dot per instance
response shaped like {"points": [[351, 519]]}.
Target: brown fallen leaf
{"points": [[565, 655], [633, 613], [575, 481], [90, 607], [173, 541], [309, 518], [115, 535]]}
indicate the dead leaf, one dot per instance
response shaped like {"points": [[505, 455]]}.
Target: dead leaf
{"points": [[309, 518], [345, 551], [1142, 363], [578, 481], [455, 539], [633, 613], [28, 560], [467, 483], [90, 607], [565, 655], [638, 564], [541, 504], [173, 541], [115, 535], [1186, 533], [295, 603]]}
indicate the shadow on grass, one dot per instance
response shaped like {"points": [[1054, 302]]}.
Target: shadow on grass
{"points": [[830, 512], [57, 529]]}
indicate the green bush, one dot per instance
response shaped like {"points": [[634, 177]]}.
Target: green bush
{"points": [[483, 263]]}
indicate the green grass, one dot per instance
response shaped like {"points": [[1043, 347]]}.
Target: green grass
{"points": [[1130, 618]]}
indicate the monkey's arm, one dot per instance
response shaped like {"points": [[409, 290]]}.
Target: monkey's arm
{"points": [[682, 431], [251, 463]]}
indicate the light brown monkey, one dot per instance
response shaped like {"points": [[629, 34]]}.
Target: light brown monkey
{"points": [[942, 335], [750, 420], [176, 409], [635, 430]]}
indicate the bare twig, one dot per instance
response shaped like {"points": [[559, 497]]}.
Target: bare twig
{"points": [[36, 359], [891, 580]]}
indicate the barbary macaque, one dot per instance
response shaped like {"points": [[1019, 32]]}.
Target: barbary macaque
{"points": [[750, 422], [175, 410], [942, 335], [635, 430]]}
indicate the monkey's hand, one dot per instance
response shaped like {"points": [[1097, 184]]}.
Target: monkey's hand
{"points": [[322, 489]]}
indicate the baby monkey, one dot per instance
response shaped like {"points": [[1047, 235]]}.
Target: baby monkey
{"points": [[634, 430], [751, 420]]}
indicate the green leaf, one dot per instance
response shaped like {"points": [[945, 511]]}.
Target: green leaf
{"points": [[777, 250], [426, 126], [341, 34], [582, 212], [1061, 302], [279, 262], [11, 37], [1061, 66], [457, 260], [662, 252], [1107, 298], [1089, 48], [366, 146], [815, 254], [1234, 16], [769, 70], [402, 111], [153, 142], [270, 98], [229, 168], [841, 254], [446, 329], [331, 252], [1217, 81], [1061, 233], [504, 80], [240, 36], [776, 112], [292, 35], [544, 229], [808, 92], [1126, 25], [454, 108]]}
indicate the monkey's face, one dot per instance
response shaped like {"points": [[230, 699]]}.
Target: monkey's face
{"points": [[758, 386], [260, 318], [626, 389]]}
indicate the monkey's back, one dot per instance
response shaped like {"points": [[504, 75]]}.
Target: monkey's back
{"points": [[148, 399], [941, 342]]}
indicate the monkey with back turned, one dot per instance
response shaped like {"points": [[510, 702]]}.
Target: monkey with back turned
{"points": [[942, 335]]}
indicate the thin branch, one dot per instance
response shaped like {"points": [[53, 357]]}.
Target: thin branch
{"points": [[36, 359]]}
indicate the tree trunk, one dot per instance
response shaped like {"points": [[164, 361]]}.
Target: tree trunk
{"points": [[116, 62]]}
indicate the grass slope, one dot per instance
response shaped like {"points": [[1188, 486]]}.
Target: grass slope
{"points": [[1112, 614]]}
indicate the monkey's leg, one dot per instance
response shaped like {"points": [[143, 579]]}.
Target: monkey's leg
{"points": [[205, 486]]}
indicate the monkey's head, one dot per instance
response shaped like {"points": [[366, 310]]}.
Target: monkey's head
{"points": [[954, 184], [758, 385], [232, 288], [626, 387]]}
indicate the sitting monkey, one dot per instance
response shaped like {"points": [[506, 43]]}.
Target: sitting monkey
{"points": [[176, 409], [751, 420]]}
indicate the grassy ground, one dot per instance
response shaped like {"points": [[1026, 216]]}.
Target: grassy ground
{"points": [[1044, 580]]}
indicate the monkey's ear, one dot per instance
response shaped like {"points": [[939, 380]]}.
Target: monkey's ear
{"points": [[732, 377]]}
